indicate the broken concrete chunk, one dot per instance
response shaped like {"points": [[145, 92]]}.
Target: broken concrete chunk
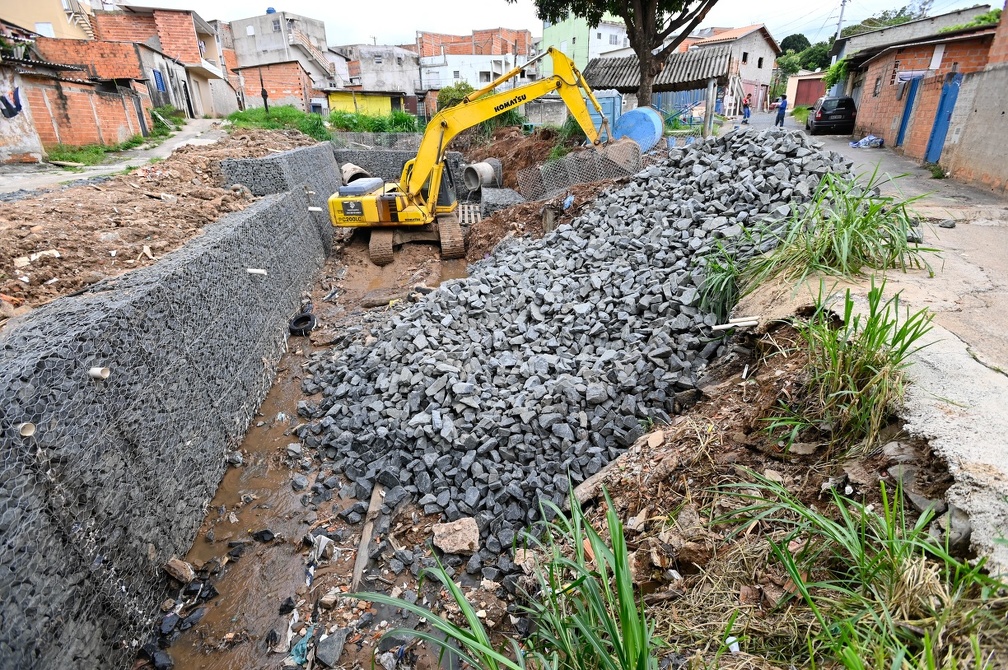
{"points": [[179, 570], [457, 537]]}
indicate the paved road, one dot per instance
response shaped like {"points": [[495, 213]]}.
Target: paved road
{"points": [[31, 177]]}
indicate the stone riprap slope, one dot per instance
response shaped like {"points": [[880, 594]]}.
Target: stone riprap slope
{"points": [[483, 398]]}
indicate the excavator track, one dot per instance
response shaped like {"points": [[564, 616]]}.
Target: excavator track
{"points": [[380, 246], [452, 241]]}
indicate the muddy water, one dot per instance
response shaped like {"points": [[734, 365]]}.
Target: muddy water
{"points": [[253, 587], [258, 495]]}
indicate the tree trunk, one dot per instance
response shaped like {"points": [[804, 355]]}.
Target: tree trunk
{"points": [[649, 69], [645, 90]]}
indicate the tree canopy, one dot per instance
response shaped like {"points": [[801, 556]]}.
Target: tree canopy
{"points": [[454, 94], [888, 17], [654, 27], [816, 57], [796, 42]]}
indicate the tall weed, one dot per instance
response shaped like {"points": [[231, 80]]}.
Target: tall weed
{"points": [[585, 613], [845, 229], [884, 592], [855, 372]]}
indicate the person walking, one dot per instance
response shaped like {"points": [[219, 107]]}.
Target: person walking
{"points": [[781, 111], [746, 108]]}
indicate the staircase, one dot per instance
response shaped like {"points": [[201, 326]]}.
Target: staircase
{"points": [[298, 39], [77, 16]]}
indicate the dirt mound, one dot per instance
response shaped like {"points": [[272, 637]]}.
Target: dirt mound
{"points": [[516, 150], [102, 230], [527, 218]]}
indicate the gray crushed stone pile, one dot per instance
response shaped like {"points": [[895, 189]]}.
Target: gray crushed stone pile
{"points": [[545, 363]]}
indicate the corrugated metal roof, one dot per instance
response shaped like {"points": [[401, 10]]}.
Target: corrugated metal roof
{"points": [[682, 71]]}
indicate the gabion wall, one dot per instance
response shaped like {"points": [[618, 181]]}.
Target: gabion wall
{"points": [[115, 479]]}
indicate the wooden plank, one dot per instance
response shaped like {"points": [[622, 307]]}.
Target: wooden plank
{"points": [[374, 506]]}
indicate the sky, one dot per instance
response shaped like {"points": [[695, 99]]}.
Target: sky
{"points": [[396, 21]]}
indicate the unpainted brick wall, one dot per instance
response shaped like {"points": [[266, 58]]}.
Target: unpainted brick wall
{"points": [[177, 32], [76, 113], [125, 27], [286, 84], [103, 59], [495, 41], [881, 115], [999, 50]]}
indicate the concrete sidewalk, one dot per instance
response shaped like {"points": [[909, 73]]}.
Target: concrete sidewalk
{"points": [[30, 177]]}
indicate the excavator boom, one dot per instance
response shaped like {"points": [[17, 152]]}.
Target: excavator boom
{"points": [[421, 199]]}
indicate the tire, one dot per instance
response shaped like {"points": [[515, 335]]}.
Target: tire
{"points": [[302, 324]]}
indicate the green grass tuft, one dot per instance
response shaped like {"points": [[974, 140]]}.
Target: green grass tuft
{"points": [[282, 118], [884, 592], [586, 614], [855, 377], [845, 229]]}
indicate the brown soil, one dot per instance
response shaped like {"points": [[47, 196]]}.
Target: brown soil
{"points": [[516, 150], [527, 218], [696, 567], [158, 207]]}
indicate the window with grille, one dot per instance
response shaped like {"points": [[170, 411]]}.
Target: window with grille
{"points": [[614, 39]]}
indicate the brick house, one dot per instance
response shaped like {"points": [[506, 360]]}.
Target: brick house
{"points": [[286, 83], [477, 58], [183, 36], [163, 76], [64, 103], [905, 84]]}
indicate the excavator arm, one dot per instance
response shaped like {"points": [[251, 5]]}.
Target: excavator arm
{"points": [[413, 203], [485, 104]]}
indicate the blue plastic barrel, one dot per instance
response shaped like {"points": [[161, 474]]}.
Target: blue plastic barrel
{"points": [[644, 125]]}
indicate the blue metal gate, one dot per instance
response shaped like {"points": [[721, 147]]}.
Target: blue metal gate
{"points": [[911, 94], [949, 95]]}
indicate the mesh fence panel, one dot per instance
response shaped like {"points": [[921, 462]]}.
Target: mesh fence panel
{"points": [[364, 140], [114, 480], [554, 177]]}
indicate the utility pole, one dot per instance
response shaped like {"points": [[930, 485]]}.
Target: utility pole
{"points": [[839, 25]]}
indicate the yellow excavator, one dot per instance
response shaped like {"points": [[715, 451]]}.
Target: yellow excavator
{"points": [[423, 206]]}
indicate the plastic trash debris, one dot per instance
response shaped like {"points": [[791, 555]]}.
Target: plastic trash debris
{"points": [[299, 654], [868, 141], [284, 645], [732, 643], [568, 201], [322, 549]]}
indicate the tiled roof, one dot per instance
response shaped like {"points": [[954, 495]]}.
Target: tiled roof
{"points": [[739, 33], [682, 71], [31, 62]]}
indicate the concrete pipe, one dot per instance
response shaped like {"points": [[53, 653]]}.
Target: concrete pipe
{"points": [[99, 373], [353, 172], [478, 175], [26, 429]]}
